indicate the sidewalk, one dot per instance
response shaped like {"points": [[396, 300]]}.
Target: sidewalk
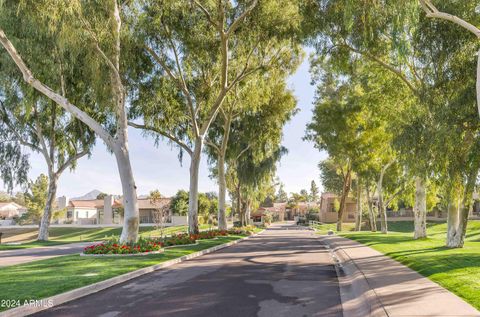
{"points": [[375, 285], [20, 256]]}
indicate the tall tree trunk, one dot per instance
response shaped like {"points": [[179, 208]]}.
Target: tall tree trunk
{"points": [[358, 216], [239, 204], [371, 213], [383, 214], [458, 213], [47, 213], [420, 209], [382, 208], [222, 192], [129, 190], [247, 212], [343, 199], [193, 194]]}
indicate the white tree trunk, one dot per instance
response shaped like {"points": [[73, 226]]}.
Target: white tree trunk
{"points": [[381, 208], [452, 223], [130, 204], [193, 194], [478, 82], [343, 199], [247, 213], [222, 192], [47, 213], [420, 209], [358, 216], [371, 213]]}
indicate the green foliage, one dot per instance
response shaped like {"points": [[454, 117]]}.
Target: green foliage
{"points": [[281, 195], [102, 195], [35, 200], [314, 192], [179, 203], [330, 176]]}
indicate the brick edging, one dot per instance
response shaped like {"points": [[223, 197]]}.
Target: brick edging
{"points": [[99, 286]]}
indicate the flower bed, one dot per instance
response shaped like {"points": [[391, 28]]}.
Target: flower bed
{"points": [[179, 239], [112, 247], [146, 246]]}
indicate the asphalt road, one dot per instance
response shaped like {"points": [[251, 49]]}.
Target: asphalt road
{"points": [[282, 272], [20, 256]]}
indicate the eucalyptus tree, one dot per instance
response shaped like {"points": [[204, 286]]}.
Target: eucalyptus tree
{"points": [[394, 36], [472, 9], [201, 52], [78, 35], [351, 122], [14, 164], [43, 127], [260, 91], [255, 148], [452, 54], [383, 33]]}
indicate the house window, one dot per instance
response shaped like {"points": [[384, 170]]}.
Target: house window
{"points": [[86, 214], [77, 215]]}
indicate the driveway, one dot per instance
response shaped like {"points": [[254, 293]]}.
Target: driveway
{"points": [[283, 272], [20, 256]]}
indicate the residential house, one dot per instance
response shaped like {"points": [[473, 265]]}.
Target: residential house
{"points": [[328, 212], [110, 211], [277, 211], [300, 209], [10, 210]]}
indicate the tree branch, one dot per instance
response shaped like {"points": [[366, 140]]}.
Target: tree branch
{"points": [[207, 14], [48, 92], [233, 27], [385, 65], [71, 160], [44, 149], [18, 137], [398, 192], [163, 133], [243, 151], [183, 82], [213, 145], [432, 12]]}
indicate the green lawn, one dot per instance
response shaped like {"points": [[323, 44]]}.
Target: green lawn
{"points": [[78, 234], [45, 278], [458, 270]]}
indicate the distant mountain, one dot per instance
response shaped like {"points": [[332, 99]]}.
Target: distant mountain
{"points": [[88, 196]]}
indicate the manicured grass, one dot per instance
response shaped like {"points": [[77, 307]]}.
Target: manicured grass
{"points": [[40, 279], [77, 234], [458, 270], [33, 244]]}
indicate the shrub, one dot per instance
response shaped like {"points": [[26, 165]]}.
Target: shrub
{"points": [[246, 230]]}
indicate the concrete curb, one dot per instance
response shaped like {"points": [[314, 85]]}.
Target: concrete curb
{"points": [[62, 298], [358, 298]]}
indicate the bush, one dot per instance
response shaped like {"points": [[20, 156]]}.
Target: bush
{"points": [[246, 230], [267, 218]]}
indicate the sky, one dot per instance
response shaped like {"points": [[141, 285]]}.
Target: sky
{"points": [[159, 167]]}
